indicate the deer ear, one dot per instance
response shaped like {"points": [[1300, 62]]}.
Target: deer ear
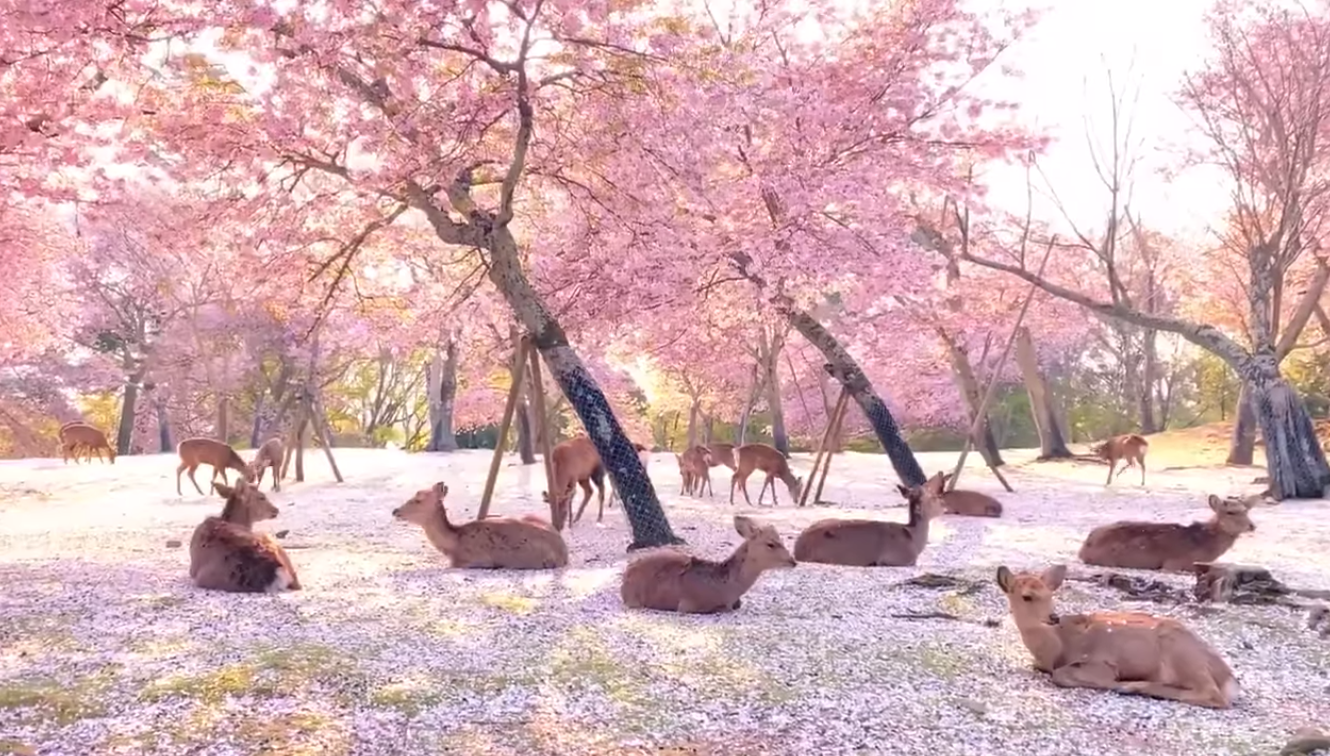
{"points": [[223, 490], [744, 526], [1004, 578], [546, 496], [441, 489], [1053, 576], [1216, 503], [904, 491]]}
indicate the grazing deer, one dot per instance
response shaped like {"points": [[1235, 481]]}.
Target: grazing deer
{"points": [[721, 454], [753, 457], [695, 469], [968, 503], [80, 437], [672, 581], [226, 554], [1167, 545], [874, 543], [199, 451], [268, 456], [1126, 652], [505, 543], [576, 463], [1130, 447]]}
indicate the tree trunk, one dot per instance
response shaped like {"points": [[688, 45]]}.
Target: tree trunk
{"points": [[1052, 443], [968, 384], [1294, 459], [647, 518], [691, 434], [222, 431], [846, 370], [770, 347], [163, 422], [1149, 370], [442, 400], [708, 427], [124, 437], [748, 407], [1242, 444], [526, 427]]}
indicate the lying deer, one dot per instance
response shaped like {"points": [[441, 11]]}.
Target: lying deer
{"points": [[269, 455], [226, 554], [968, 503], [1167, 545], [874, 543], [1130, 447], [1126, 652], [695, 469], [199, 451], [79, 437], [672, 581], [754, 457], [525, 543], [721, 454]]}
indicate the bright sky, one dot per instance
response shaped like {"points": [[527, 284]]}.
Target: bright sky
{"points": [[1147, 44]]}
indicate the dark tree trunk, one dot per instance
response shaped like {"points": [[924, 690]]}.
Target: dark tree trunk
{"points": [[642, 507], [844, 369], [442, 437], [1149, 370], [124, 437], [1242, 444], [770, 347], [691, 434], [163, 422], [1294, 459], [747, 413], [968, 383], [1052, 444]]}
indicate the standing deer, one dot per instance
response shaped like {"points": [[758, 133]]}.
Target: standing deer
{"points": [[721, 454], [766, 458], [1130, 447], [1125, 652], [576, 463], [269, 456], [79, 437], [694, 468], [200, 451]]}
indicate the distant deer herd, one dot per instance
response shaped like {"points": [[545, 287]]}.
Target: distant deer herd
{"points": [[1118, 651]]}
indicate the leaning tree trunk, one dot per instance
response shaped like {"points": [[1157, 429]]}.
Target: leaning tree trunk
{"points": [[1052, 444], [1294, 459], [844, 368], [442, 385], [640, 504], [968, 384], [1242, 444]]}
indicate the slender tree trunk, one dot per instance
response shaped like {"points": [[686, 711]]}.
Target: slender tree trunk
{"points": [[1052, 443], [747, 413], [968, 383], [124, 437], [1242, 444], [770, 346], [1149, 370], [222, 431], [692, 424], [708, 427], [640, 503], [163, 422], [847, 371], [443, 398], [526, 428]]}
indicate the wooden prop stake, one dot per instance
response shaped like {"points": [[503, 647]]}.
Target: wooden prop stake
{"points": [[831, 449], [558, 516], [982, 412], [519, 370], [325, 435], [823, 446]]}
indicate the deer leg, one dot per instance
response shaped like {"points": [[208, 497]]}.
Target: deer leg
{"points": [[1087, 674], [192, 479], [1209, 695], [706, 484], [600, 491], [1111, 464], [734, 480], [180, 469], [743, 486], [586, 498], [1142, 461]]}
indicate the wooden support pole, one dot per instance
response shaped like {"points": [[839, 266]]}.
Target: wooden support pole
{"points": [[824, 444], [837, 423], [324, 432], [558, 515], [982, 412], [519, 370]]}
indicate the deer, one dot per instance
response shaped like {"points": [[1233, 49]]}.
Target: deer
{"points": [[968, 503], [669, 580], [198, 451], [226, 554], [874, 543], [78, 436], [1169, 546], [505, 543], [769, 460], [576, 463], [1124, 652], [1130, 447], [270, 455], [694, 468], [721, 454]]}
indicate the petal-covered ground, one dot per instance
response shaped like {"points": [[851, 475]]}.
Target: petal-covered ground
{"points": [[105, 646]]}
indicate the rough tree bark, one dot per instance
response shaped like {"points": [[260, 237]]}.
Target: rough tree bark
{"points": [[124, 437], [1052, 444], [441, 382], [769, 346], [1242, 443], [968, 383], [690, 436]]}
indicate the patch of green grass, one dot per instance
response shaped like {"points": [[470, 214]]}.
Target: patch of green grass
{"points": [[270, 673], [940, 661], [520, 605], [160, 601], [16, 748], [37, 635], [583, 659], [408, 697], [300, 733], [56, 702]]}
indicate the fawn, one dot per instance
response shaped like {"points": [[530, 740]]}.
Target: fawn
{"points": [[1130, 447], [226, 554], [769, 460], [695, 469], [1126, 652], [1167, 545], [270, 455], [672, 581], [874, 543], [199, 451], [523, 543]]}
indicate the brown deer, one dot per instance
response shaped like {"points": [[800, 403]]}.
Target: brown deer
{"points": [[79, 437], [695, 469], [200, 451], [874, 543], [753, 457], [968, 503], [672, 581], [1170, 546], [1125, 652], [721, 454], [505, 543], [226, 554], [268, 456], [1130, 447], [576, 463]]}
